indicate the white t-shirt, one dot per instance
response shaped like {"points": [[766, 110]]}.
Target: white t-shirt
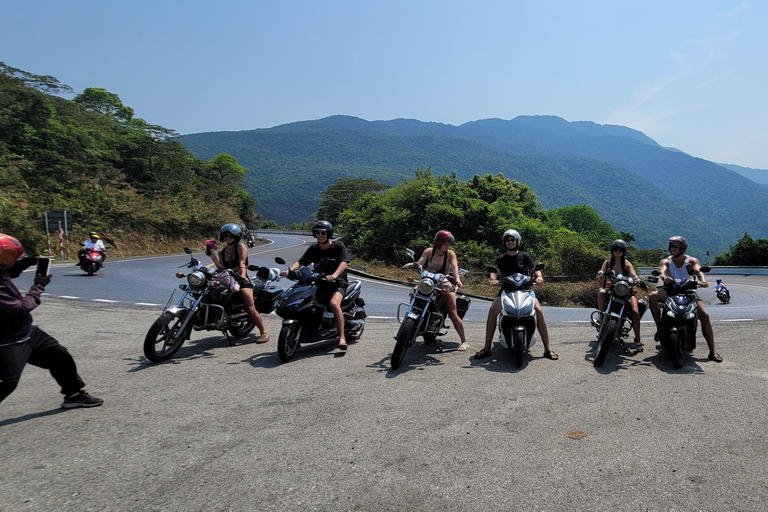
{"points": [[679, 272], [98, 245]]}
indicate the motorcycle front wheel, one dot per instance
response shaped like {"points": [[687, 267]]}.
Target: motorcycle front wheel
{"points": [[164, 338], [677, 344], [405, 336], [605, 339], [91, 269], [288, 341], [518, 338]]}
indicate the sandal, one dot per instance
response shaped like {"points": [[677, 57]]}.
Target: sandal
{"points": [[714, 356], [483, 353], [638, 345], [464, 346], [550, 354], [263, 338], [657, 337]]}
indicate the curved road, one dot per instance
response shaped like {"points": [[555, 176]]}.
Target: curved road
{"points": [[149, 281]]}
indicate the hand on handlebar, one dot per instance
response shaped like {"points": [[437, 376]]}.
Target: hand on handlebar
{"points": [[539, 280], [494, 282]]}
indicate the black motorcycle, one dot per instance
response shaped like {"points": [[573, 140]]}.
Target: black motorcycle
{"points": [[679, 315], [613, 323], [305, 320], [425, 315], [209, 301]]}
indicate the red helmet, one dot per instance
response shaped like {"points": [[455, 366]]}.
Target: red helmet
{"points": [[10, 251], [677, 239], [444, 236]]}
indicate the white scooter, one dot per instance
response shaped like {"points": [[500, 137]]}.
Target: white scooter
{"points": [[517, 320]]}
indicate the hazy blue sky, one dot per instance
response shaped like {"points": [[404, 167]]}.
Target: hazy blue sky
{"points": [[690, 74]]}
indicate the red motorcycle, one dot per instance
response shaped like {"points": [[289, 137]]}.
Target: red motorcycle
{"points": [[91, 261]]}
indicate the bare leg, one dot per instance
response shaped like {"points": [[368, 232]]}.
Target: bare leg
{"points": [[247, 295], [491, 322], [338, 315], [450, 306], [541, 325], [706, 329]]}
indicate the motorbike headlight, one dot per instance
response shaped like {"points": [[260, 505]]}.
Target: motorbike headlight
{"points": [[621, 288], [196, 279], [670, 313], [426, 286], [689, 315]]}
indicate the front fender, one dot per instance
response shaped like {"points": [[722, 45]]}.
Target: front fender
{"points": [[177, 311]]}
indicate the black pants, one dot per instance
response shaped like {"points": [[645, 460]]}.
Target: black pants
{"points": [[40, 350]]}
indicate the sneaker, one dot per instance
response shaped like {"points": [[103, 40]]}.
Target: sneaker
{"points": [[81, 399]]}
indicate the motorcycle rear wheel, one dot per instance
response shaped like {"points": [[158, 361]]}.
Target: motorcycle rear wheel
{"points": [[518, 338], [605, 339], [288, 341], [164, 338], [677, 344], [241, 328], [404, 339]]}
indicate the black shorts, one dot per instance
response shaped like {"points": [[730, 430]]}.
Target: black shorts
{"points": [[325, 291]]}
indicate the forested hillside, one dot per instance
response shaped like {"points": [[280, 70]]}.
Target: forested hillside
{"points": [[626, 177], [131, 181]]}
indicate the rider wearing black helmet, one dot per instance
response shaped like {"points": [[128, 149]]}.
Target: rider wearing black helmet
{"points": [[512, 261], [234, 255], [673, 268], [624, 267], [335, 267]]}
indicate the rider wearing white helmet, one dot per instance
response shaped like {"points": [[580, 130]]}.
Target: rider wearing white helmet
{"points": [[512, 261]]}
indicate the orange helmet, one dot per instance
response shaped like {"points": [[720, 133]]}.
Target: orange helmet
{"points": [[10, 251]]}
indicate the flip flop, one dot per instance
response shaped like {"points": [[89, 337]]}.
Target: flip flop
{"points": [[550, 354], [464, 346], [714, 356], [483, 353], [343, 347]]}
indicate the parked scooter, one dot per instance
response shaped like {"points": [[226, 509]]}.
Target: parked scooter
{"points": [[613, 323], [517, 319], [307, 321], [679, 315], [722, 292], [210, 301], [425, 315]]}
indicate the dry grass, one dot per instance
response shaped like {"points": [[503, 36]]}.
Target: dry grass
{"points": [[553, 293]]}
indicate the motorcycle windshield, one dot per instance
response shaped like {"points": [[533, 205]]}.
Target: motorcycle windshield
{"points": [[295, 295]]}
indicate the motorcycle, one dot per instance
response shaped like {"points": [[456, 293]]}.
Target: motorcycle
{"points": [[613, 323], [91, 260], [679, 315], [306, 321], [517, 319], [251, 241], [722, 292], [425, 315], [209, 301]]}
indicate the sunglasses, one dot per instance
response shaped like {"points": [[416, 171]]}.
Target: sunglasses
{"points": [[229, 236], [618, 249], [676, 246], [509, 239], [320, 232]]}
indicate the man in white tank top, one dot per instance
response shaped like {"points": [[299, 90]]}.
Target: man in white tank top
{"points": [[673, 268]]}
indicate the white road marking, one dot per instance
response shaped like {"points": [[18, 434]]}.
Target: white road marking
{"points": [[145, 304], [68, 297], [103, 300]]}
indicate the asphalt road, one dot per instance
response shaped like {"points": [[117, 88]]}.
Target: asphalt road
{"points": [[231, 428]]}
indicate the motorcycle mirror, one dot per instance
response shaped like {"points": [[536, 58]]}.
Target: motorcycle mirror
{"points": [[279, 260], [492, 270], [188, 250], [253, 268], [411, 255], [82, 244], [463, 272], [705, 269], [538, 267], [655, 273]]}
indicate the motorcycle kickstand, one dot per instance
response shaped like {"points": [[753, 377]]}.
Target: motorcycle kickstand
{"points": [[226, 333]]}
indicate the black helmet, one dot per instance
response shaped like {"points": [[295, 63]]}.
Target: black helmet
{"points": [[621, 244], [93, 234], [230, 229], [323, 225], [719, 281]]}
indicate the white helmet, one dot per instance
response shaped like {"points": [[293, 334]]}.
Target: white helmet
{"points": [[514, 234]]}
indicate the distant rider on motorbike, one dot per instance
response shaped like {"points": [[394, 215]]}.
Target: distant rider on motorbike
{"points": [[624, 267], [235, 256], [94, 243], [440, 259], [331, 292], [719, 287], [511, 262], [673, 268]]}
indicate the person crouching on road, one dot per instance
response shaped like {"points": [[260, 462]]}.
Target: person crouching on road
{"points": [[21, 342]]}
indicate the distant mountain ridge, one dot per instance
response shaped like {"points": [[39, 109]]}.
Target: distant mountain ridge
{"points": [[629, 179]]}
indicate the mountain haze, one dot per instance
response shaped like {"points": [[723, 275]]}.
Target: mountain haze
{"points": [[631, 181]]}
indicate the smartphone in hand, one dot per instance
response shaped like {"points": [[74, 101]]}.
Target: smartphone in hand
{"points": [[43, 266]]}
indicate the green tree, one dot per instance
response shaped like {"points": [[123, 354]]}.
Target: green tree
{"points": [[584, 220], [225, 171], [746, 252], [344, 192], [105, 103]]}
